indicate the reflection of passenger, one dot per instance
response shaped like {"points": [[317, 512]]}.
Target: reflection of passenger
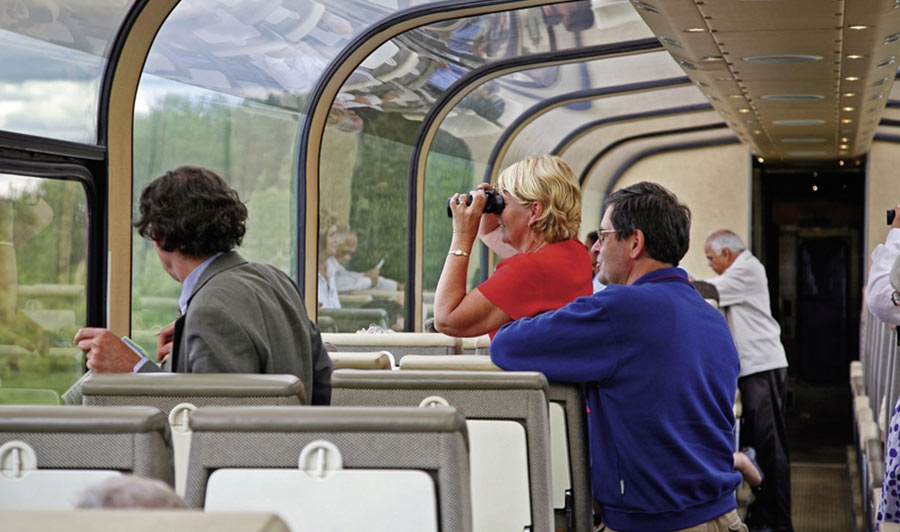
{"points": [[574, 16], [28, 16], [20, 220], [236, 316], [546, 267], [346, 280], [328, 242]]}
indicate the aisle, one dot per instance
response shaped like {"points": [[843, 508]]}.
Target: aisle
{"points": [[820, 497]]}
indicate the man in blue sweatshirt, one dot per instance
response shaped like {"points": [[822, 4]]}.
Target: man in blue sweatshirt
{"points": [[659, 367]]}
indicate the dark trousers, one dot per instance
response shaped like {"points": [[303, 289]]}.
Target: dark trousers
{"points": [[762, 397]]}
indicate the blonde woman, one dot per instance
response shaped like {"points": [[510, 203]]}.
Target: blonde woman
{"points": [[544, 265]]}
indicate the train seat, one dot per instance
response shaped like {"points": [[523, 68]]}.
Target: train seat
{"points": [[331, 468], [399, 344], [477, 345], [569, 451], [140, 521], [508, 425], [178, 394], [50, 454], [362, 360]]}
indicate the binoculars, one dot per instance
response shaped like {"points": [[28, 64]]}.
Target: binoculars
{"points": [[494, 203]]}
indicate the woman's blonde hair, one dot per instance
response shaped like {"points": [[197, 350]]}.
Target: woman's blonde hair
{"points": [[550, 181]]}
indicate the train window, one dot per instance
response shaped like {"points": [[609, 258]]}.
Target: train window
{"points": [[43, 248], [617, 119], [524, 92], [53, 56], [378, 113]]}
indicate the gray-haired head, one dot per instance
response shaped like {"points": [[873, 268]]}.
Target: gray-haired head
{"points": [[720, 239], [129, 491]]}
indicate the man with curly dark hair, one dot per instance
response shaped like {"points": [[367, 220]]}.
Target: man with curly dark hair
{"points": [[235, 316]]}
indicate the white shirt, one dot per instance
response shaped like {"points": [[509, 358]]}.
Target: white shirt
{"points": [[346, 280], [878, 286], [328, 294], [744, 294]]}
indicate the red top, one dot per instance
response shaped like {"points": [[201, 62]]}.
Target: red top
{"points": [[527, 284]]}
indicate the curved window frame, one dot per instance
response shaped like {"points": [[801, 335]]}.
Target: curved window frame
{"points": [[453, 95]]}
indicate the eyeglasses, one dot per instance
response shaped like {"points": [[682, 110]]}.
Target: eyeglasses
{"points": [[895, 298], [602, 234]]}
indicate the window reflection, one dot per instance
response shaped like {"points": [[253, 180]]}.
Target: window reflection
{"points": [[376, 118], [43, 246], [52, 57]]}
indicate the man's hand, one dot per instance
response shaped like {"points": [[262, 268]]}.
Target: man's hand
{"points": [[104, 351], [164, 342], [373, 275]]}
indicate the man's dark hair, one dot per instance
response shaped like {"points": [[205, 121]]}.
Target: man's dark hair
{"points": [[591, 238], [665, 222], [193, 211]]}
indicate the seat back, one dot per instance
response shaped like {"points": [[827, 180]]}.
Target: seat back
{"points": [[569, 449], [50, 454], [177, 394], [398, 344], [152, 520], [477, 345], [502, 409], [362, 360], [342, 452]]}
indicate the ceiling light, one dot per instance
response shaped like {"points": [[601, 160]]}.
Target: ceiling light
{"points": [[804, 122], [793, 97], [783, 58], [815, 188], [848, 94], [843, 146], [743, 110], [848, 109], [852, 78], [858, 27], [712, 58], [695, 30], [844, 139], [846, 121], [760, 160], [802, 140], [735, 96], [756, 132], [840, 163], [855, 56], [886, 62]]}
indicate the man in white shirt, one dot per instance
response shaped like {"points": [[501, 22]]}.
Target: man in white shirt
{"points": [[879, 292], [744, 295]]}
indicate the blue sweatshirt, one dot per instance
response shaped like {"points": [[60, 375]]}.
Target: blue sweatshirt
{"points": [[660, 372]]}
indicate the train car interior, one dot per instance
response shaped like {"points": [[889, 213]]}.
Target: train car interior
{"points": [[345, 125]]}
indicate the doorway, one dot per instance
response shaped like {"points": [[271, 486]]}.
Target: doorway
{"points": [[807, 231]]}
